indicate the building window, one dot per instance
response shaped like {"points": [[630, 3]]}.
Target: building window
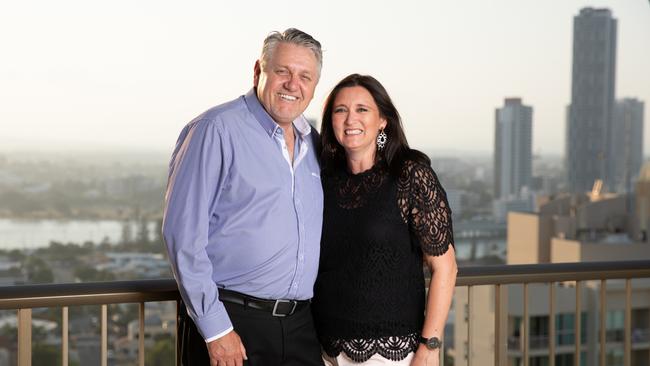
{"points": [[565, 326], [615, 326]]}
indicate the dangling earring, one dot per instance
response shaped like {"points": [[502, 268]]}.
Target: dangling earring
{"points": [[382, 138]]}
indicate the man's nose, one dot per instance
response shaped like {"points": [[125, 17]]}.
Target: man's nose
{"points": [[291, 83]]}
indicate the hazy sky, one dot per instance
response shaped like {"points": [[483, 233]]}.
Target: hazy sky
{"points": [[129, 74]]}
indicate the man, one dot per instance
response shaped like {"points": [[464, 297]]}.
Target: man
{"points": [[243, 217]]}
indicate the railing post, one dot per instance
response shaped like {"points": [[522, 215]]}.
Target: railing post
{"points": [[497, 325], [603, 321], [578, 324], [525, 332], [469, 325], [627, 355], [64, 336], [24, 337], [141, 334], [551, 325], [104, 339], [500, 325]]}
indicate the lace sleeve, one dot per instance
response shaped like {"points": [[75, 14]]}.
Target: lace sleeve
{"points": [[424, 207]]}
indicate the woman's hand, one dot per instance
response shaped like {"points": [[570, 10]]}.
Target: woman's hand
{"points": [[426, 357]]}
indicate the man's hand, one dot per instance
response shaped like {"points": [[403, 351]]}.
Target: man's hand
{"points": [[227, 351]]}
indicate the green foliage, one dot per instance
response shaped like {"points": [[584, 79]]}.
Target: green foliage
{"points": [[162, 353], [127, 233], [142, 235], [8, 332], [45, 355], [89, 274], [16, 255], [37, 270], [67, 253]]}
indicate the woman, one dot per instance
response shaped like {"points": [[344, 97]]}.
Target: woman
{"points": [[385, 212]]}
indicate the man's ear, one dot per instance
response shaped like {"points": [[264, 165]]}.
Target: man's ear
{"points": [[257, 70]]}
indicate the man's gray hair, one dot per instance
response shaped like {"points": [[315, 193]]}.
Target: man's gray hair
{"points": [[293, 36]]}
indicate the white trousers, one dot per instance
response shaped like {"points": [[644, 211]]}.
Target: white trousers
{"points": [[376, 360]]}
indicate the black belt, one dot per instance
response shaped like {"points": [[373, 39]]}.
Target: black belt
{"points": [[278, 308]]}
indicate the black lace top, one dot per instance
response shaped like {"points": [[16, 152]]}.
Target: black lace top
{"points": [[369, 296]]}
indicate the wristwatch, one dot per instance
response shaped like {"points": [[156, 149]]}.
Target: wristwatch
{"points": [[431, 343]]}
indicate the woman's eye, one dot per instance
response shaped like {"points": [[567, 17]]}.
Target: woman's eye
{"points": [[339, 110]]}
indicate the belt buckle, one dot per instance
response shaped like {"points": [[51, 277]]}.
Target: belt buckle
{"points": [[279, 301]]}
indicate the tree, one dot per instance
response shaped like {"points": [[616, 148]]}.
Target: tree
{"points": [[44, 355], [127, 233], [89, 274], [16, 255], [157, 238], [162, 353], [38, 271], [105, 244], [142, 235]]}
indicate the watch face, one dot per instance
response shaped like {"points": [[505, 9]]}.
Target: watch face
{"points": [[433, 343]]}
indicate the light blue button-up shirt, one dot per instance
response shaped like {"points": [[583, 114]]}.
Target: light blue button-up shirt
{"points": [[240, 215]]}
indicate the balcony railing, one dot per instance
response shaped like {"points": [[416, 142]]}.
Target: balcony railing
{"points": [[25, 298]]}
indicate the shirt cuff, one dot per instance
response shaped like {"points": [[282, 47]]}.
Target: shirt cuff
{"points": [[215, 325], [208, 340]]}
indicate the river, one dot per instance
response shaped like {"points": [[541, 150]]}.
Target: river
{"points": [[32, 234]]}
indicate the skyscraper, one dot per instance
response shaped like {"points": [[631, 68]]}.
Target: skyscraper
{"points": [[627, 143], [513, 142], [589, 129]]}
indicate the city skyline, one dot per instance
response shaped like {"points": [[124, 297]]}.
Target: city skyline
{"points": [[129, 76]]}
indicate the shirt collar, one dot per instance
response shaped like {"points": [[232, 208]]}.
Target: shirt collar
{"points": [[265, 120]]}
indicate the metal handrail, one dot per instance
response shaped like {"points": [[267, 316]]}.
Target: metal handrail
{"points": [[552, 272], [88, 293], [96, 293]]}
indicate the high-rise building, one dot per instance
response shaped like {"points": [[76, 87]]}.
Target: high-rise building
{"points": [[513, 143], [590, 115], [627, 143]]}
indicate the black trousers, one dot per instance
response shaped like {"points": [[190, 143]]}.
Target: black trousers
{"points": [[269, 340]]}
